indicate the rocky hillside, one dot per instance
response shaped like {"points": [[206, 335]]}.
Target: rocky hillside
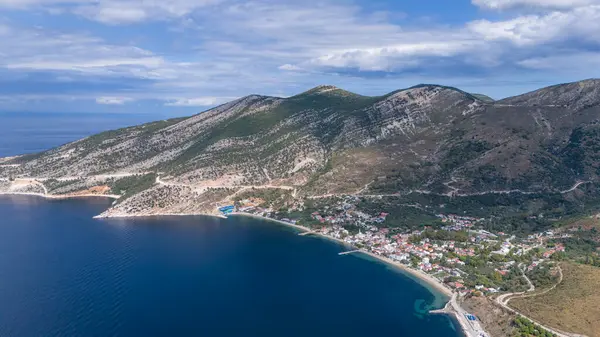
{"points": [[426, 139]]}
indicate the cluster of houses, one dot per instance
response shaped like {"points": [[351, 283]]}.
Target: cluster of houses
{"points": [[358, 218], [546, 255], [428, 255], [456, 222], [400, 249], [441, 259], [557, 248]]}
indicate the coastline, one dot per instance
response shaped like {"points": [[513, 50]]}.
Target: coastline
{"points": [[63, 196], [299, 227], [417, 273], [126, 216], [249, 215], [452, 308], [430, 280]]}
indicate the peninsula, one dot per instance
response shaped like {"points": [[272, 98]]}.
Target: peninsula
{"points": [[463, 192]]}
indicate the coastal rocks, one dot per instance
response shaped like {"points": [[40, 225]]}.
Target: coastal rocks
{"points": [[22, 187]]}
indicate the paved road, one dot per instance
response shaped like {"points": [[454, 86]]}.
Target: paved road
{"points": [[472, 328]]}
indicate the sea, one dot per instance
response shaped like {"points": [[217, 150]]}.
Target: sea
{"points": [[64, 273], [29, 132]]}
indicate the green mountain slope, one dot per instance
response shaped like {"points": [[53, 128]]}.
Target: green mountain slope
{"points": [[484, 98], [426, 139]]}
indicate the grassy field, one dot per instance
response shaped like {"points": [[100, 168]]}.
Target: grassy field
{"points": [[572, 306]]}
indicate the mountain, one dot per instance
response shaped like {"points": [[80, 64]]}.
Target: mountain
{"points": [[573, 96], [428, 140], [484, 98]]}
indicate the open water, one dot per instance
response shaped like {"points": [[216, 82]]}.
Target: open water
{"points": [[63, 273]]}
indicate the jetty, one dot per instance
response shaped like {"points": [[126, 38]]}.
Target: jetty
{"points": [[469, 323], [306, 233], [349, 252], [444, 310]]}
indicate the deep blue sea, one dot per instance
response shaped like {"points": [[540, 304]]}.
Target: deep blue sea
{"points": [[63, 273], [26, 132]]}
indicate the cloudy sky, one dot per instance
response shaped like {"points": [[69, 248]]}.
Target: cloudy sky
{"points": [[180, 55]]}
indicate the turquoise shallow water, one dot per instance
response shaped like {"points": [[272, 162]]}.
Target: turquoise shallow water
{"points": [[63, 273]]}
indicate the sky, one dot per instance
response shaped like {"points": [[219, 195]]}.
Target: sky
{"points": [[180, 56]]}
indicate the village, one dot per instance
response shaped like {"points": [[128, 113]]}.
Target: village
{"points": [[459, 253]]}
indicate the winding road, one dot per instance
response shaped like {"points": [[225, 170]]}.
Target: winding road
{"points": [[503, 300], [453, 193], [39, 181], [242, 188]]}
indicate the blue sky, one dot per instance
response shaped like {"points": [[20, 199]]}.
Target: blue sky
{"points": [[179, 56]]}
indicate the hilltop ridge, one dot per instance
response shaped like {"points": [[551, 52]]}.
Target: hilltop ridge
{"points": [[433, 139]]}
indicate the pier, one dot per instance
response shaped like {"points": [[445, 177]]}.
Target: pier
{"points": [[306, 233], [349, 252], [444, 310]]}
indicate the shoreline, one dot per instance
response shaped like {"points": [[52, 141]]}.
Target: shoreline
{"points": [[127, 216], [417, 273], [249, 215], [449, 309], [62, 196], [302, 228], [452, 307], [430, 280]]}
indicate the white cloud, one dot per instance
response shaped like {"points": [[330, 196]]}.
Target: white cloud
{"points": [[285, 46], [116, 11], [389, 58], [324, 35], [42, 50], [83, 65], [481, 43], [551, 4], [579, 63], [289, 67], [25, 4], [579, 23], [113, 100], [198, 101]]}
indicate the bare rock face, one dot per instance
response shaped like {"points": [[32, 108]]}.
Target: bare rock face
{"points": [[327, 140], [574, 96]]}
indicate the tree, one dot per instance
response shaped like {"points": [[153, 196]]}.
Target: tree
{"points": [[497, 277]]}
